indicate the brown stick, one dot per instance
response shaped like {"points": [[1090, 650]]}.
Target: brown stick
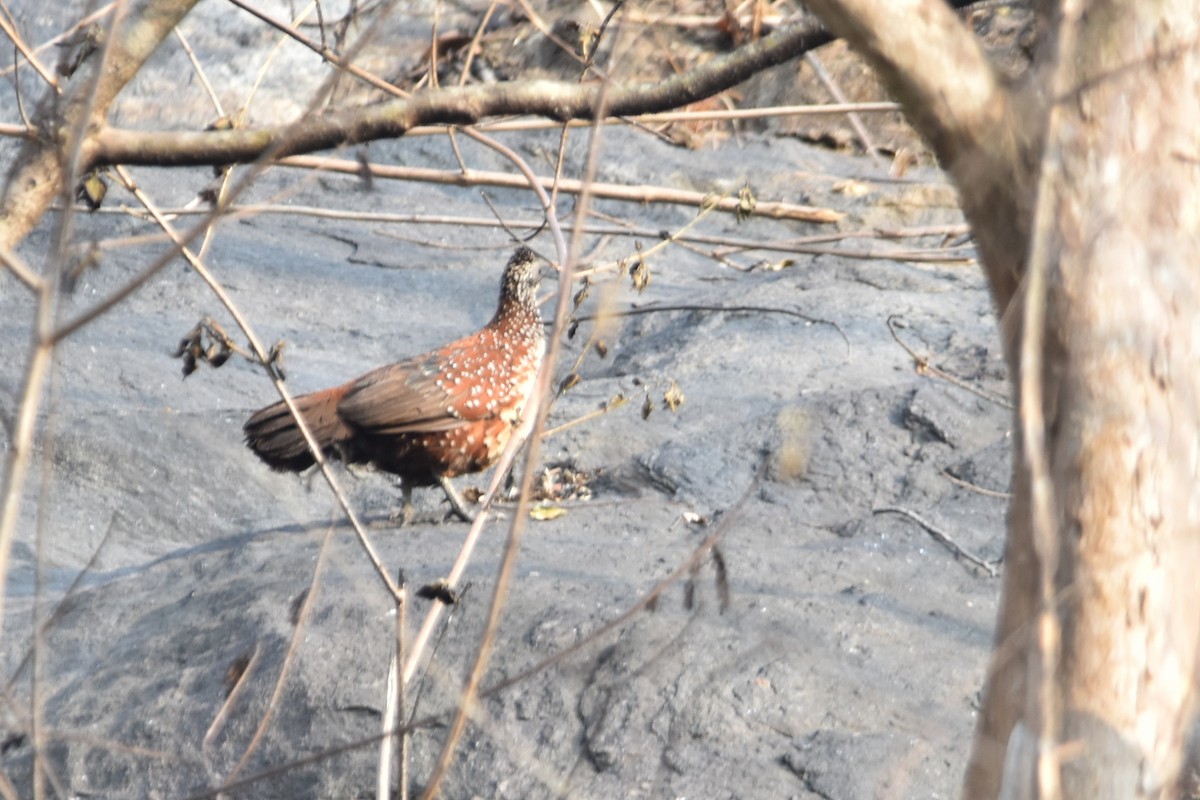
{"points": [[453, 105], [608, 191]]}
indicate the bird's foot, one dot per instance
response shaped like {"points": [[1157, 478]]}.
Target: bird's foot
{"points": [[403, 518]]}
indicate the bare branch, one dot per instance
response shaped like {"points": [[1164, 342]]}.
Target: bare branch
{"points": [[608, 191], [9, 29], [453, 105]]}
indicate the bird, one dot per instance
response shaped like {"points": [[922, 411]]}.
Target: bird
{"points": [[428, 418]]}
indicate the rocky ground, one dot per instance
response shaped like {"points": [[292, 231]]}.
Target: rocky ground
{"points": [[845, 661]]}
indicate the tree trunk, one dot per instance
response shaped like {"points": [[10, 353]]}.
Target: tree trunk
{"points": [[1094, 253], [1121, 403]]}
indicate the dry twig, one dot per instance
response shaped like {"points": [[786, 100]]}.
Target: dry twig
{"points": [[943, 538], [925, 366], [607, 191]]}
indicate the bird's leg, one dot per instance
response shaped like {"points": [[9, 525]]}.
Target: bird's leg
{"points": [[406, 513], [456, 500]]}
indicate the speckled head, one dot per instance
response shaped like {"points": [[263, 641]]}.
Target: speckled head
{"points": [[521, 278]]}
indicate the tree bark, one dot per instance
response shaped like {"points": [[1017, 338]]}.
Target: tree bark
{"points": [[1115, 227], [1122, 392]]}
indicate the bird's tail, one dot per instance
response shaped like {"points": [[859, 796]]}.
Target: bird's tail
{"points": [[274, 437]]}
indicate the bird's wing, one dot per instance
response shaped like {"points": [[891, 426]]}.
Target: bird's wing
{"points": [[406, 398]]}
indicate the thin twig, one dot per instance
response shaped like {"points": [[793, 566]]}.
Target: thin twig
{"points": [[608, 191], [289, 33], [925, 366], [199, 70], [243, 109], [855, 122], [728, 244], [419, 643], [63, 604], [341, 62], [261, 354], [957, 481], [395, 709], [1046, 655], [403, 757], [433, 46], [227, 178], [21, 440], [655, 309], [9, 29], [532, 182], [473, 48], [265, 160], [538, 412], [20, 449], [943, 538], [23, 272], [641, 255], [37, 722], [8, 790], [387, 740], [588, 417], [222, 716]]}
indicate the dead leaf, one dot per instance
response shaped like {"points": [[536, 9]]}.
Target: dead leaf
{"points": [[439, 590], [542, 512], [91, 190], [568, 383], [775, 266], [582, 294], [746, 203], [640, 275], [673, 398], [852, 188]]}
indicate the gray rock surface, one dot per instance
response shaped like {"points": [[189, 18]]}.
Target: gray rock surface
{"points": [[846, 665]]}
